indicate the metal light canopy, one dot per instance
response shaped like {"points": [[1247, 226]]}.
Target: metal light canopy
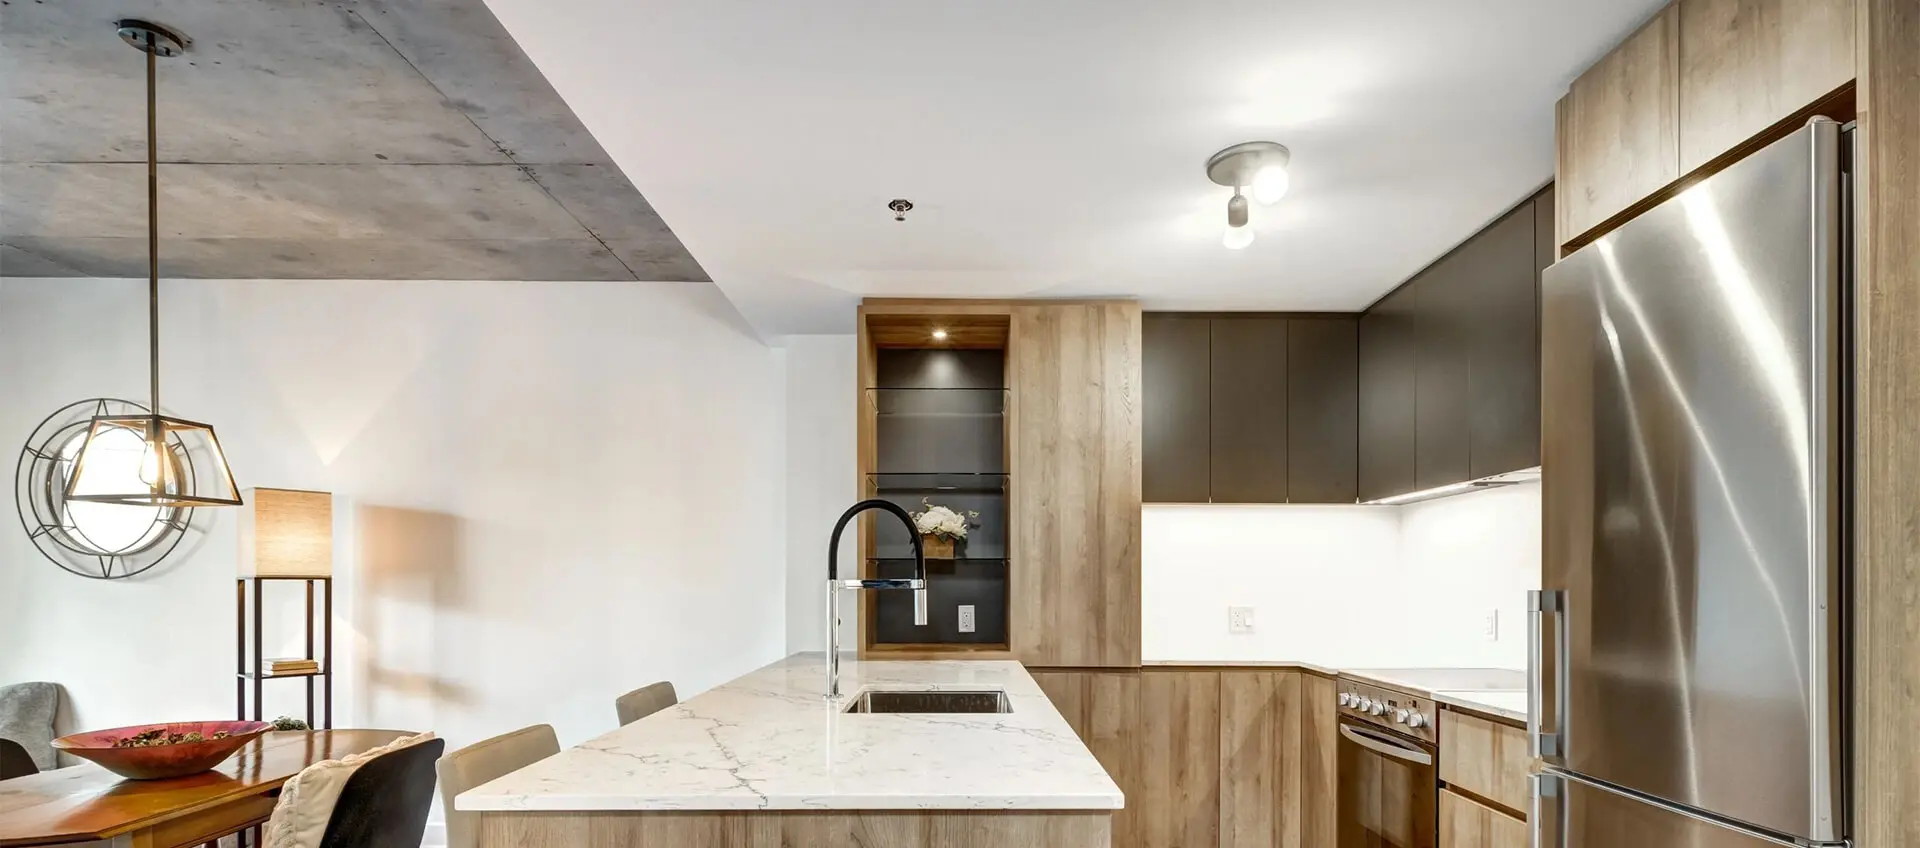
{"points": [[149, 469]]}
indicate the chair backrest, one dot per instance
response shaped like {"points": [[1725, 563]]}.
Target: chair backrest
{"points": [[385, 801], [15, 761], [644, 701], [481, 762]]}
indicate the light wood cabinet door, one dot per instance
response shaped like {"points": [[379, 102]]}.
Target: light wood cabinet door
{"points": [[1746, 65], [1179, 760], [1487, 758], [1260, 786], [1319, 761], [1465, 823], [1618, 128], [1074, 436], [1103, 708]]}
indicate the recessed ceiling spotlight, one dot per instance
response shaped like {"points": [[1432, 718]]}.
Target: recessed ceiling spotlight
{"points": [[1258, 167], [939, 335]]}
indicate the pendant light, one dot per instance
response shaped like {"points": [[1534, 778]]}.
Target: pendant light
{"points": [[146, 460]]}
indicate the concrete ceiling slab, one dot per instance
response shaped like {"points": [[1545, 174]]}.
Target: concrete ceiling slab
{"points": [[399, 139]]}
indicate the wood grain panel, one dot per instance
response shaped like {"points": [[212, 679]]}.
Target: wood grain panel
{"points": [[1467, 824], [1175, 429], [1619, 137], [782, 829], [1248, 401], [1486, 758], [1114, 735], [1887, 449], [1179, 760], [1747, 64], [1260, 765], [1074, 433], [1319, 761], [964, 331], [1323, 386]]}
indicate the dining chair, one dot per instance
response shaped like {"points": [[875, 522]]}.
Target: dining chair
{"points": [[15, 761], [644, 701], [374, 799], [385, 802], [482, 762]]}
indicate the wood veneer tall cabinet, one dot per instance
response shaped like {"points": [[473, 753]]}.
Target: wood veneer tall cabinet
{"points": [[1073, 432]]}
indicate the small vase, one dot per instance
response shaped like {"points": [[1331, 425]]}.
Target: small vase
{"points": [[936, 547]]}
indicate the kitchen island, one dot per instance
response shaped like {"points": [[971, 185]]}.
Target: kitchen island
{"points": [[767, 760]]}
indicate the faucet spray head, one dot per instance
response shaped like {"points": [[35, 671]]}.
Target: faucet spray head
{"points": [[920, 607]]}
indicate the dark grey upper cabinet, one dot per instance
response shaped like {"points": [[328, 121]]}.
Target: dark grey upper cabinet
{"points": [[1500, 280], [1389, 358], [1544, 251], [1175, 423], [1322, 409], [1441, 380], [1249, 454]]}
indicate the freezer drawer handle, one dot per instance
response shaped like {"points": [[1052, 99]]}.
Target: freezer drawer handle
{"points": [[1544, 744], [1385, 748]]}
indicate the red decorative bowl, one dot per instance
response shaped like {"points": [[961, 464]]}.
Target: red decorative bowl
{"points": [[155, 762]]}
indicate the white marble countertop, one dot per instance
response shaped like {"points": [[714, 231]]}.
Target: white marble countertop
{"points": [[1511, 706], [769, 741]]}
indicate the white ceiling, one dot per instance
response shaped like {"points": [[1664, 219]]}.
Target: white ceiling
{"points": [[1056, 147]]}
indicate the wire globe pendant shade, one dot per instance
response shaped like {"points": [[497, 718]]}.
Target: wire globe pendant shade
{"points": [[143, 460]]}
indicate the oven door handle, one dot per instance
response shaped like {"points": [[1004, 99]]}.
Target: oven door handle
{"points": [[1385, 747]]}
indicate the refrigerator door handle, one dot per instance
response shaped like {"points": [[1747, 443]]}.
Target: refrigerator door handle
{"points": [[1546, 821], [1543, 743]]}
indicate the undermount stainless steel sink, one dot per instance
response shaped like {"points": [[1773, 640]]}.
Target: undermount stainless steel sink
{"points": [[952, 701]]}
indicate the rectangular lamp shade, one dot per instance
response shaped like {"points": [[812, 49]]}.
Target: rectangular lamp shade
{"points": [[286, 533]]}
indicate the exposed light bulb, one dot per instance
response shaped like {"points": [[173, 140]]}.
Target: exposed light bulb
{"points": [[1270, 184], [1237, 238], [939, 335]]}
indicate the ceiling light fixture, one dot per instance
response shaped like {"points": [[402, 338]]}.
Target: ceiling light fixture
{"points": [[144, 459], [1254, 167]]}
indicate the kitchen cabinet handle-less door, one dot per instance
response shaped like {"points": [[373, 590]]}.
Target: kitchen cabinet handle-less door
{"points": [[1322, 408], [1249, 410], [1175, 435], [1074, 435]]}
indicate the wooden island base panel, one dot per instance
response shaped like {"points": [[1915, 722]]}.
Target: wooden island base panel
{"points": [[933, 829]]}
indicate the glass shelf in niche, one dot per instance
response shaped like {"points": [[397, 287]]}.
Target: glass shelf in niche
{"points": [[884, 482], [938, 402]]}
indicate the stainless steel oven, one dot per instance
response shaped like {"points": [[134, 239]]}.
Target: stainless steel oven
{"points": [[1389, 779]]}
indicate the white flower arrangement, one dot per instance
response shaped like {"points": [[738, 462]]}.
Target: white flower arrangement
{"points": [[942, 522]]}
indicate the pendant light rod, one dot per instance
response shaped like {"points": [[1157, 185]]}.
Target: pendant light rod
{"points": [[153, 236]]}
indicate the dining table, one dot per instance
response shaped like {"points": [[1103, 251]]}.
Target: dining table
{"points": [[86, 803]]}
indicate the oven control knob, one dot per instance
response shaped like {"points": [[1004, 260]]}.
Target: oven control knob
{"points": [[1346, 699], [1377, 708], [1364, 704], [1400, 716], [1417, 720]]}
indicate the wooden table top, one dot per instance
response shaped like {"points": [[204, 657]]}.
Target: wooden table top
{"points": [[86, 802]]}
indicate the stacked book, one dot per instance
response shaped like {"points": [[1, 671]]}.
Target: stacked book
{"points": [[290, 665]]}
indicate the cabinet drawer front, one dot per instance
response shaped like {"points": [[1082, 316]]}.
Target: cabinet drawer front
{"points": [[1465, 823], [1485, 758]]}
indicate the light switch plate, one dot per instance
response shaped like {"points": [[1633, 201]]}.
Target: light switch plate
{"points": [[1239, 620], [966, 618]]}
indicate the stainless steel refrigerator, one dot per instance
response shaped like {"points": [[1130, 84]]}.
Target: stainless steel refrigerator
{"points": [[1690, 645]]}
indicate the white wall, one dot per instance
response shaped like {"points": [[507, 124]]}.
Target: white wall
{"points": [[1344, 586], [822, 481], [548, 493]]}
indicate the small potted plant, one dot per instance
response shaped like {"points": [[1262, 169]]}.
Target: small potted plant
{"points": [[942, 529]]}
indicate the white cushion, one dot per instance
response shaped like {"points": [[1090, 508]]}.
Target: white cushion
{"points": [[307, 800]]}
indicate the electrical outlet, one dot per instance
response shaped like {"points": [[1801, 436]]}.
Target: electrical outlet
{"points": [[966, 618], [1239, 619], [1492, 628]]}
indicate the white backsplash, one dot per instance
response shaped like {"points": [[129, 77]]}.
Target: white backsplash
{"points": [[1344, 586]]}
